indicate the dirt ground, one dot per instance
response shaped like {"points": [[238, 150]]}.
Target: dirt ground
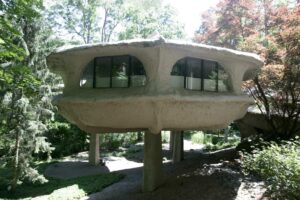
{"points": [[207, 176]]}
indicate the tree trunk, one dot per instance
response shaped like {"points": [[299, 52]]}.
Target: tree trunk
{"points": [[16, 163]]}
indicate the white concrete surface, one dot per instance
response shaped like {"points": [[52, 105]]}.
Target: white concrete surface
{"points": [[158, 105]]}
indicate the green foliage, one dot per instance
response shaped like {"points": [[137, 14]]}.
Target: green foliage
{"points": [[165, 136], [74, 188], [198, 138], [222, 145], [25, 108], [217, 139], [143, 22], [272, 32], [279, 165], [112, 141], [66, 138], [107, 20]]}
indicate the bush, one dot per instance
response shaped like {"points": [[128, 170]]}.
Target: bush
{"points": [[165, 136], [198, 138], [66, 138], [278, 165], [112, 141]]}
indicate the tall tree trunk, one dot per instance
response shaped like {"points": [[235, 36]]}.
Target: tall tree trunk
{"points": [[16, 163]]}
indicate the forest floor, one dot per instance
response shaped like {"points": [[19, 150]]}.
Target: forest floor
{"points": [[199, 176]]}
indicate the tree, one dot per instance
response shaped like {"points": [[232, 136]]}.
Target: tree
{"points": [[272, 32], [76, 19], [235, 22], [23, 111], [277, 88], [143, 22], [103, 21]]}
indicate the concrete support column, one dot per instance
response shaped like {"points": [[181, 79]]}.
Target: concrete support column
{"points": [[94, 154], [171, 142], [177, 155], [153, 172]]}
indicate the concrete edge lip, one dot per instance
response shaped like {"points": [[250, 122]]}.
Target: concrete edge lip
{"points": [[216, 97], [156, 43]]}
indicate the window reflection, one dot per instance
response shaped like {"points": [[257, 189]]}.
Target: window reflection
{"points": [[210, 74], [193, 74], [102, 72], [114, 72], [137, 75], [120, 71], [199, 74]]}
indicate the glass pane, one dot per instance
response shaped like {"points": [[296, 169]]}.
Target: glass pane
{"points": [[209, 75], [177, 74], [193, 76], [178, 68], [223, 82], [86, 79], [103, 68], [138, 74], [119, 71]]}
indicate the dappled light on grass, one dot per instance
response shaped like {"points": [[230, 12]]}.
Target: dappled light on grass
{"points": [[64, 189]]}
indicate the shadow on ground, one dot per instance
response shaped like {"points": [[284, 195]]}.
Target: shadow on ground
{"points": [[199, 176]]}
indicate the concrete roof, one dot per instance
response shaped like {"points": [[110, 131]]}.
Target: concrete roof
{"points": [[159, 41]]}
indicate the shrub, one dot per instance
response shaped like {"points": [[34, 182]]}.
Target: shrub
{"points": [[165, 136], [198, 138], [66, 138], [278, 165], [112, 141]]}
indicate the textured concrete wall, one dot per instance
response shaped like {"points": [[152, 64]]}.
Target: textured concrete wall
{"points": [[252, 122], [158, 105]]}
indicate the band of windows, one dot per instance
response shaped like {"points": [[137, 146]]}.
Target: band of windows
{"points": [[127, 71], [114, 72], [199, 74]]}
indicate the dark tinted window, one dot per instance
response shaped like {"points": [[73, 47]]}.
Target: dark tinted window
{"points": [[179, 68], [114, 72], [102, 72], [137, 67], [199, 74], [120, 68]]}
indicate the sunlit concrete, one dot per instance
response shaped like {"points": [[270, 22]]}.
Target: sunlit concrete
{"points": [[157, 105], [153, 172], [94, 150]]}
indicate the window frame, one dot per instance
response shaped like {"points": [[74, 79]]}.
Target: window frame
{"points": [[129, 70], [201, 61]]}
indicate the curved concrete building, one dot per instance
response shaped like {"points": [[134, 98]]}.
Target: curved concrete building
{"points": [[159, 98], [152, 85]]}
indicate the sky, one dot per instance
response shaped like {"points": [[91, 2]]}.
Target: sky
{"points": [[190, 11]]}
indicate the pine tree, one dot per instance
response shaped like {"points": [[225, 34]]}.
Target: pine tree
{"points": [[25, 109]]}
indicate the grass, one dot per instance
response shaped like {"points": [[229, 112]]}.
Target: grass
{"points": [[75, 188], [214, 142]]}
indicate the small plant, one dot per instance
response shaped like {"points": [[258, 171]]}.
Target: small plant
{"points": [[113, 141], [197, 138], [278, 165], [165, 136]]}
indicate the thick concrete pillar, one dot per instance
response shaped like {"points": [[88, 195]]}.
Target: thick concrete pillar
{"points": [[177, 155], [153, 172], [171, 142], [94, 154]]}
